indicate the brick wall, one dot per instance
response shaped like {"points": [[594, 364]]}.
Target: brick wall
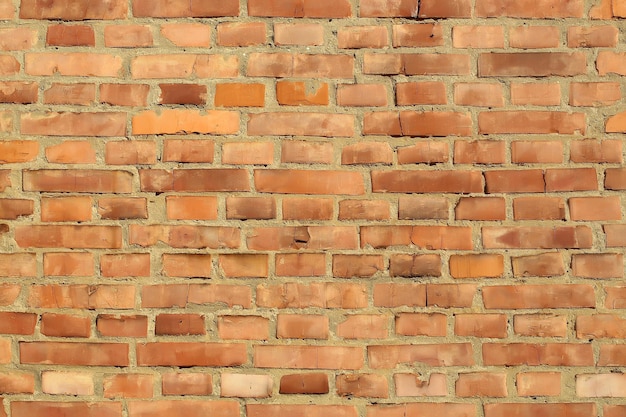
{"points": [[312, 208]]}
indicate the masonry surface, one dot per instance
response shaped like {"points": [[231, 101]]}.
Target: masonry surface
{"points": [[312, 208]]}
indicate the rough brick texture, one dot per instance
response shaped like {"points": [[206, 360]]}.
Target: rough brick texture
{"points": [[312, 208]]}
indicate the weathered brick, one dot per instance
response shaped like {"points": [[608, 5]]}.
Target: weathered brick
{"points": [[73, 10], [178, 8]]}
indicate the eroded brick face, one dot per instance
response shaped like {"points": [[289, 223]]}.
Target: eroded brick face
{"points": [[318, 208]]}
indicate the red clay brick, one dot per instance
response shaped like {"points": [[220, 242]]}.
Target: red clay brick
{"points": [[540, 325], [128, 386], [239, 95], [590, 150], [32, 9], [531, 64], [70, 35], [186, 384], [491, 37], [534, 37], [354, 37], [543, 9], [178, 8], [592, 37], [296, 8], [420, 35], [238, 34], [480, 95], [127, 36], [307, 208], [188, 34], [424, 92], [64, 325], [539, 296], [537, 94]]}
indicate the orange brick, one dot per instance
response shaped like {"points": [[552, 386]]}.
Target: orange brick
{"points": [[178, 8], [128, 386], [307, 208], [362, 95], [424, 92], [301, 264], [536, 152], [417, 35], [476, 266], [118, 208], [412, 385], [125, 265], [540, 325], [64, 209], [187, 265], [534, 37], [191, 207], [244, 265], [541, 265], [590, 150], [598, 265], [243, 327], [122, 325], [294, 8], [479, 152], [362, 385], [481, 325], [70, 35], [543, 9], [248, 153], [239, 95], [594, 94], [423, 153], [179, 324], [531, 122], [538, 208], [491, 37], [349, 266], [537, 94], [480, 208], [239, 33], [421, 324], [367, 153], [530, 384], [188, 150], [410, 207], [68, 264], [354, 37], [244, 208], [188, 34], [300, 93], [11, 209], [67, 383], [364, 210], [311, 34], [137, 152], [127, 36], [595, 208], [363, 326], [482, 95], [302, 326], [124, 94], [481, 384], [186, 384], [592, 37], [64, 325]]}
